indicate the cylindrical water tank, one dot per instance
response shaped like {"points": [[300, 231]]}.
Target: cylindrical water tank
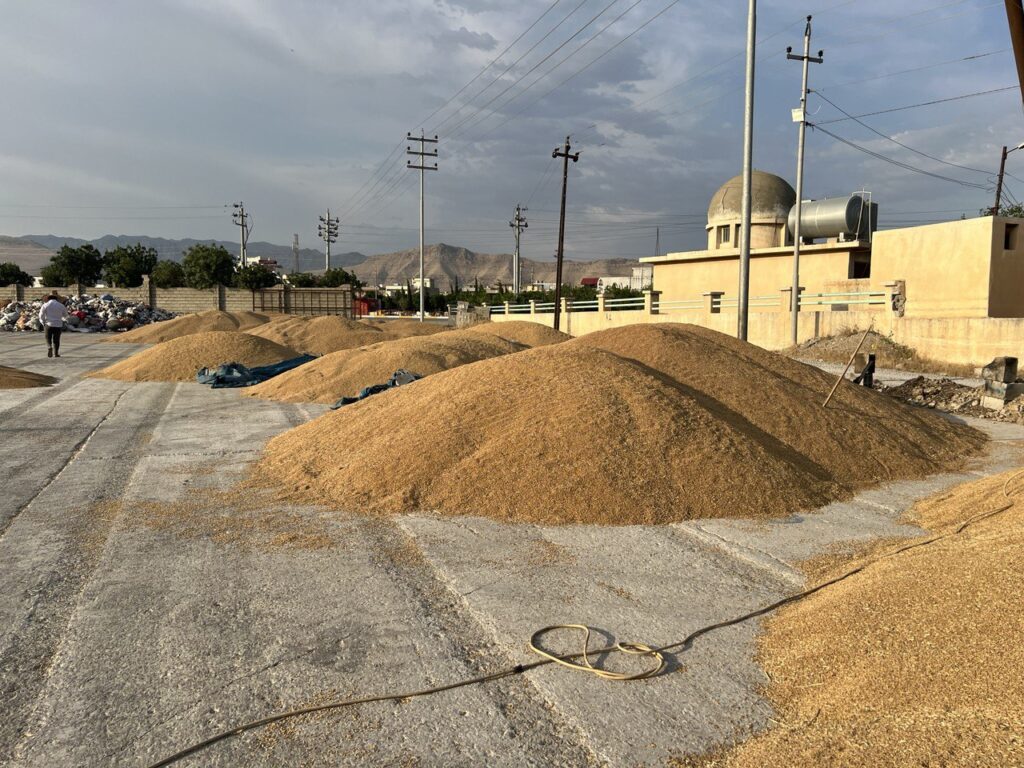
{"points": [[831, 217]]}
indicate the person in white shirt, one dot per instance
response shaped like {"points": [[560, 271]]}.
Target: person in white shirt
{"points": [[52, 315]]}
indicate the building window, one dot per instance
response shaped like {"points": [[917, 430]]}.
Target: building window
{"points": [[1010, 238], [723, 235]]}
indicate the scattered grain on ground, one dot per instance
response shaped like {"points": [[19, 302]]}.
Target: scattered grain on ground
{"points": [[198, 322], [180, 359], [15, 378], [914, 661], [522, 332], [345, 373], [319, 335], [697, 425]]}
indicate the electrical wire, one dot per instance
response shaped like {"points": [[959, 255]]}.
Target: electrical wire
{"points": [[921, 104], [947, 62], [569, 660]]}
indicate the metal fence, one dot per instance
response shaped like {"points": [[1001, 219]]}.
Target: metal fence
{"points": [[305, 301]]}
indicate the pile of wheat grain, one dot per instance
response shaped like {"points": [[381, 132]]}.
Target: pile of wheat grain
{"points": [[15, 378], [522, 332], [319, 335], [199, 322]]}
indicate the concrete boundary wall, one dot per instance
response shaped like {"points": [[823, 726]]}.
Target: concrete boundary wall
{"points": [[960, 340]]}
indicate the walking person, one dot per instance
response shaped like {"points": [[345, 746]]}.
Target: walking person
{"points": [[52, 315]]}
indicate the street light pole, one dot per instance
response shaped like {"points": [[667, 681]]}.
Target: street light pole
{"points": [[748, 156]]}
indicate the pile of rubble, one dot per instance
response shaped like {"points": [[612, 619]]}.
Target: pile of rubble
{"points": [[948, 396], [86, 314]]}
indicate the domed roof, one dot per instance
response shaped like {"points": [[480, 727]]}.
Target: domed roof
{"points": [[771, 198]]}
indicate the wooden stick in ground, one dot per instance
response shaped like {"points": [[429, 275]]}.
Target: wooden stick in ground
{"points": [[843, 374]]}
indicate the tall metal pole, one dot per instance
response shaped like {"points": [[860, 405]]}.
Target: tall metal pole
{"points": [[295, 252], [748, 156], [518, 224], [422, 167], [327, 264], [999, 182], [327, 229], [794, 296], [242, 220], [561, 225]]}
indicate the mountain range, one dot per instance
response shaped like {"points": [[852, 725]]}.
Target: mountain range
{"points": [[444, 264]]}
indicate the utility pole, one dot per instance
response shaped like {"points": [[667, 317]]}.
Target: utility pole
{"points": [[743, 305], [567, 155], [421, 166], [327, 229], [657, 241], [800, 116], [243, 221], [295, 252], [999, 182], [518, 224]]}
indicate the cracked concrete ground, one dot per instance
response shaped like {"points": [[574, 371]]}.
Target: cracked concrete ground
{"points": [[125, 636]]}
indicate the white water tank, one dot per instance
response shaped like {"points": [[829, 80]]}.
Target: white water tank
{"points": [[834, 217]]}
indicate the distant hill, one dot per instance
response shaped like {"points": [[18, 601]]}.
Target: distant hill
{"points": [[28, 255], [443, 263], [309, 259]]}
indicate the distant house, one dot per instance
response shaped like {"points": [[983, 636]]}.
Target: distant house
{"points": [[590, 282], [617, 281]]}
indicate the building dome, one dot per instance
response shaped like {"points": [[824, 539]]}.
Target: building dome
{"points": [[771, 199]]}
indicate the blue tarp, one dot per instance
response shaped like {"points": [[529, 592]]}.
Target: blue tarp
{"points": [[398, 378], [238, 375]]}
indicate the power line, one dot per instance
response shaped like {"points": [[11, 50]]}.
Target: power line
{"points": [[921, 104], [862, 80], [899, 163]]}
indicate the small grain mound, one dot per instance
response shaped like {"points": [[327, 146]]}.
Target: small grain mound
{"points": [[572, 433], [180, 359], [407, 327], [319, 335], [345, 373], [522, 332], [200, 322], [15, 378], [914, 661], [859, 437]]}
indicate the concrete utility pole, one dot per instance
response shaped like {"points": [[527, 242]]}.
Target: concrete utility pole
{"points": [[567, 155], [327, 229], [422, 168], [748, 157], [657, 241], [518, 224], [243, 221], [800, 116], [295, 252]]}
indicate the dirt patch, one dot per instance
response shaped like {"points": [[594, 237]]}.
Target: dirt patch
{"points": [[522, 332], [180, 359], [695, 425], [345, 373], [199, 322], [888, 354], [242, 518], [914, 661], [320, 335], [15, 378]]}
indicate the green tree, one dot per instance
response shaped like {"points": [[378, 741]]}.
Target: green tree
{"points": [[168, 274], [124, 266], [1012, 211], [207, 265], [302, 280], [12, 274], [332, 278], [83, 264], [617, 292], [254, 277]]}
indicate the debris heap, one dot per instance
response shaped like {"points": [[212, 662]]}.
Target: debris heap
{"points": [[345, 373], [639, 425], [180, 359], [86, 314], [197, 322], [950, 397]]}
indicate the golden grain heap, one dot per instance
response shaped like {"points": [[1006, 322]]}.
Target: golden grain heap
{"points": [[180, 359], [644, 424], [319, 335], [15, 378], [406, 326], [522, 332], [345, 373], [198, 322]]}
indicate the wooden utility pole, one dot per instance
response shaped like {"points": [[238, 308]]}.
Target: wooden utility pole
{"points": [[800, 116], [1015, 19], [567, 155], [422, 168]]}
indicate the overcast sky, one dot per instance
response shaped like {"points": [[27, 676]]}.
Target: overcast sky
{"points": [[153, 117]]}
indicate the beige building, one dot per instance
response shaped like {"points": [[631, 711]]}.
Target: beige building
{"points": [[964, 268]]}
